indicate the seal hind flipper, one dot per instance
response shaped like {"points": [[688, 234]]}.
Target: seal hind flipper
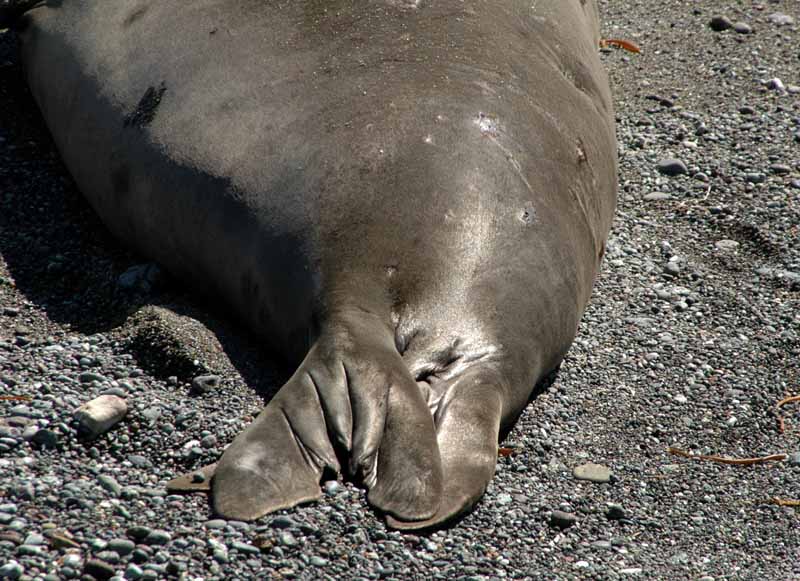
{"points": [[352, 392], [467, 425]]}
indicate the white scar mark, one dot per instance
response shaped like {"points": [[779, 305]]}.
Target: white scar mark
{"points": [[489, 128], [585, 213]]}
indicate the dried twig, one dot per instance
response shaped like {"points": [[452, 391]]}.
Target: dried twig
{"points": [[778, 405], [15, 398], [619, 43], [782, 501], [723, 460]]}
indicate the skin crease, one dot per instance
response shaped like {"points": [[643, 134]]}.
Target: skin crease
{"points": [[410, 200]]}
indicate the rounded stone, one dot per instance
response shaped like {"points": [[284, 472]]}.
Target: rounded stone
{"points": [[720, 23], [562, 520], [203, 384], [11, 570], [592, 472], [671, 167], [726, 245]]}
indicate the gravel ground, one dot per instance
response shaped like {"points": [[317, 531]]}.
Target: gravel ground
{"points": [[692, 337]]}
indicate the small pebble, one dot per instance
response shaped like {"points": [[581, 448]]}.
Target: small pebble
{"points": [[121, 546], [100, 415], [133, 571], [331, 487], [287, 539], [245, 548], [203, 384], [30, 550], [138, 533], [110, 484], [562, 520], [726, 245], [592, 472], [34, 539], [157, 537], [98, 569], [89, 377], [780, 19], [45, 438], [283, 522], [11, 570], [720, 23], [672, 268], [776, 85], [615, 512], [671, 167]]}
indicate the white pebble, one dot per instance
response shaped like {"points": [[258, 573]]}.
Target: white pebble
{"points": [[101, 414]]}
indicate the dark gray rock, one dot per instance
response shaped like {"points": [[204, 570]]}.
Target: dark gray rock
{"points": [[671, 167], [123, 547], [615, 512], [203, 384], [98, 569], [720, 23], [562, 520], [157, 537], [141, 278]]}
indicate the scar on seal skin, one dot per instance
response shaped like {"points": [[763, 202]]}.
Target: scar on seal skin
{"points": [[409, 200]]}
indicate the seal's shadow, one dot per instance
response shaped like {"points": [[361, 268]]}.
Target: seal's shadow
{"points": [[61, 257]]}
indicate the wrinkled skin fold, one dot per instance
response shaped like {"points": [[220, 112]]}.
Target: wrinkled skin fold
{"points": [[408, 199]]}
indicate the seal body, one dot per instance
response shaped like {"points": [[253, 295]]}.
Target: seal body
{"points": [[408, 198]]}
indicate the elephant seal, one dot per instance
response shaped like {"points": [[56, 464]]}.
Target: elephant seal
{"points": [[409, 198]]}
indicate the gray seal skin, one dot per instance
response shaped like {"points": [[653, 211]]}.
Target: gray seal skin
{"points": [[410, 199]]}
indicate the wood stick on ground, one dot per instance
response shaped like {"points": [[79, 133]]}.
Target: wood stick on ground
{"points": [[620, 43], [723, 460], [778, 405], [15, 398], [782, 501]]}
